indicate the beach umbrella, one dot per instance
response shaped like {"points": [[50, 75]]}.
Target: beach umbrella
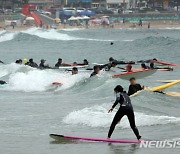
{"points": [[57, 19], [72, 18], [85, 17], [79, 18], [29, 18]]}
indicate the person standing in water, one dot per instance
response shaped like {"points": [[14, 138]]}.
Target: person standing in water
{"points": [[96, 71], [134, 87], [74, 70], [125, 109]]}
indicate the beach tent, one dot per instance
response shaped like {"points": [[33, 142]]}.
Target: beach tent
{"points": [[73, 18], [87, 13], [85, 17], [30, 18], [79, 18]]}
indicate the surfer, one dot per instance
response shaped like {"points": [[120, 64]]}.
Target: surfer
{"points": [[74, 70], [96, 70], [125, 109], [18, 61], [42, 64], [160, 68], [31, 63], [128, 68], [143, 65], [2, 82], [134, 87], [109, 66], [1, 62], [85, 62], [60, 63]]}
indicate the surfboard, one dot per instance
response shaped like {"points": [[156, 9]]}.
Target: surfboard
{"points": [[164, 63], [174, 94], [137, 74], [164, 86], [70, 67], [60, 137], [160, 88], [166, 81], [57, 83]]}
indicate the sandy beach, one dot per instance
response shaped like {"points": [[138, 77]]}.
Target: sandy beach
{"points": [[153, 24]]}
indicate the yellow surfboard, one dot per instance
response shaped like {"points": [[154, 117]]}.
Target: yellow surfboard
{"points": [[174, 94], [164, 86], [160, 88]]}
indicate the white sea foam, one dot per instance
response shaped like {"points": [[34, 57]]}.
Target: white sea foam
{"points": [[7, 36], [51, 34], [97, 116], [24, 78]]}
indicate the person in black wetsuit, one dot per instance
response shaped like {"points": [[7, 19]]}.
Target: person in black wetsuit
{"points": [[19, 61], [85, 62], [110, 65], [42, 65], [134, 87], [31, 63], [2, 82], [96, 70], [74, 70], [59, 63], [125, 109], [143, 65]]}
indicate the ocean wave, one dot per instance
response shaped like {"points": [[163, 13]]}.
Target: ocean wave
{"points": [[7, 36], [27, 79], [51, 34], [97, 116], [72, 29]]}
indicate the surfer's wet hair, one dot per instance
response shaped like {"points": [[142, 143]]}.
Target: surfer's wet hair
{"points": [[118, 88]]}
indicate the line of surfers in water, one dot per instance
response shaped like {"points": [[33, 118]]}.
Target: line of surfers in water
{"points": [[96, 69], [107, 67]]}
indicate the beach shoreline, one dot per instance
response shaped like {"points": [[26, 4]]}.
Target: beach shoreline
{"points": [[158, 24]]}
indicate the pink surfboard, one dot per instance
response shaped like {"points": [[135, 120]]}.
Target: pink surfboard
{"points": [[60, 137], [57, 83]]}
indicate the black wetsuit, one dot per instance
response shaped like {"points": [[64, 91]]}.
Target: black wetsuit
{"points": [[125, 109], [32, 64], [93, 74], [42, 66], [58, 64], [134, 88], [2, 82]]}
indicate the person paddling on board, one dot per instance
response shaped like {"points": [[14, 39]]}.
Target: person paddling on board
{"points": [[60, 63], [2, 82], [74, 70], [85, 62], [134, 87], [96, 70], [19, 61], [110, 66], [125, 109], [31, 63], [143, 65], [42, 65], [128, 68]]}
